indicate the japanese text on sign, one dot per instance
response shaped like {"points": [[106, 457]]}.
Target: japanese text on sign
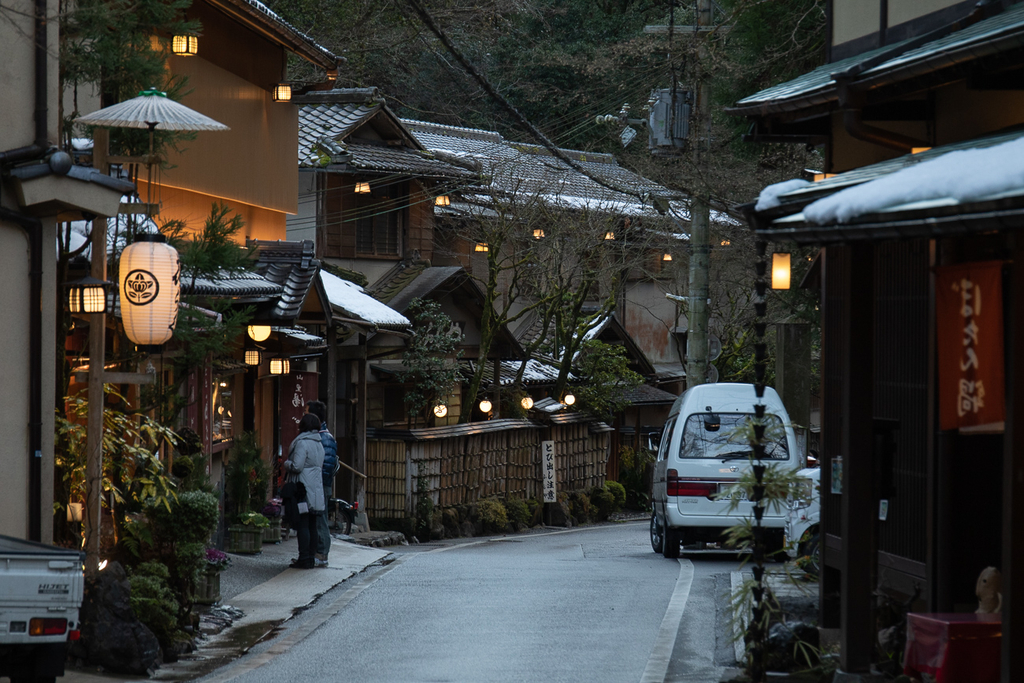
{"points": [[547, 464]]}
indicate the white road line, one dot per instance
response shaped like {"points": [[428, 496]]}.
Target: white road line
{"points": [[661, 655]]}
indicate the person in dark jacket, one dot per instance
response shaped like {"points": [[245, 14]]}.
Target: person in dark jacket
{"points": [[330, 468], [304, 464]]}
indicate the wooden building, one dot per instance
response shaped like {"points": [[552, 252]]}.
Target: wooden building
{"points": [[917, 213]]}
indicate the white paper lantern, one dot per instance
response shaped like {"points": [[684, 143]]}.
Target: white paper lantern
{"points": [[150, 290]]}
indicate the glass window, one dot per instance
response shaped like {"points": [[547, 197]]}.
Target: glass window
{"points": [[718, 435], [223, 423], [666, 437]]}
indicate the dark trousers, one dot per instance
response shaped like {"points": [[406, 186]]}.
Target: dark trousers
{"points": [[306, 532]]}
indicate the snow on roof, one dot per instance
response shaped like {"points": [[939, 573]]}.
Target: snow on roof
{"points": [[957, 177], [350, 298], [769, 197]]}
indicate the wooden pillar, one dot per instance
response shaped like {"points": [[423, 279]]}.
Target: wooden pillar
{"points": [[1013, 478], [857, 505], [359, 432], [332, 379]]}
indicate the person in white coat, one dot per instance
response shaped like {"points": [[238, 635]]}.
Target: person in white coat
{"points": [[304, 464]]}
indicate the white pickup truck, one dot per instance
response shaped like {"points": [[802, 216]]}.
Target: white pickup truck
{"points": [[40, 595]]}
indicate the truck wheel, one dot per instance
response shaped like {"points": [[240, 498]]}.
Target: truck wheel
{"points": [[657, 534], [672, 542]]}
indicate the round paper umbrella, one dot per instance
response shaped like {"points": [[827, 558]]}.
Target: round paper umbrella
{"points": [[152, 109]]}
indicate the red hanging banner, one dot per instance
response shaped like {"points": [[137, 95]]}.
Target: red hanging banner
{"points": [[969, 316]]}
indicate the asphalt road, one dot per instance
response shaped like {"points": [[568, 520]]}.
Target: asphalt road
{"points": [[591, 604]]}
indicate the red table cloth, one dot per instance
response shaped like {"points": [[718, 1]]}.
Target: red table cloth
{"points": [[954, 648]]}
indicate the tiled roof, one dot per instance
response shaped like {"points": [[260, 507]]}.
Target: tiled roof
{"points": [[536, 372], [291, 265], [382, 159], [902, 61], [520, 167], [395, 280], [332, 121], [425, 283], [235, 285], [272, 23], [350, 300], [646, 395]]}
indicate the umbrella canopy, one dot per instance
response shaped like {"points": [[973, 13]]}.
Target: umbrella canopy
{"points": [[151, 109]]}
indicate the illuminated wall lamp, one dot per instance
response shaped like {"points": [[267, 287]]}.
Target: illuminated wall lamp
{"points": [[252, 357], [526, 403], [440, 410], [280, 366], [569, 399], [538, 233], [282, 92], [485, 406], [259, 332], [666, 257], [481, 246], [442, 200], [89, 295], [185, 46], [362, 188], [781, 270]]}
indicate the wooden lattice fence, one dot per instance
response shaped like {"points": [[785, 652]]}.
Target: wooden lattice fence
{"points": [[461, 468]]}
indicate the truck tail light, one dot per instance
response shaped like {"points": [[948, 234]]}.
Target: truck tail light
{"points": [[681, 486], [47, 627]]}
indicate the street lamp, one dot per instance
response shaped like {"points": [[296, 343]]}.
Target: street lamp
{"points": [[259, 332], [280, 366], [89, 295], [485, 406]]}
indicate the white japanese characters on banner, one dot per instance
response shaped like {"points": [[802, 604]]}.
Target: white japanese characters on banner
{"points": [[547, 464]]}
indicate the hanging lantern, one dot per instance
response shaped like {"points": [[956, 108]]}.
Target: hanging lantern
{"points": [[185, 46], [259, 332], [252, 357], [569, 399], [526, 403], [485, 406], [280, 366], [440, 410], [150, 290], [781, 270], [282, 92]]}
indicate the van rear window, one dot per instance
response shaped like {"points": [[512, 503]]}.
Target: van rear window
{"points": [[726, 435]]}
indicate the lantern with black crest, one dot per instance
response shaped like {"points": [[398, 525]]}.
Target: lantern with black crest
{"points": [[150, 290]]}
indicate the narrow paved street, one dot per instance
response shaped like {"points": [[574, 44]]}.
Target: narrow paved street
{"points": [[592, 604]]}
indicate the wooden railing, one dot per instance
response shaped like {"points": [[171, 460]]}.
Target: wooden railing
{"points": [[466, 463]]}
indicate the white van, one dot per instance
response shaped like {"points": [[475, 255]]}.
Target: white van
{"points": [[700, 454]]}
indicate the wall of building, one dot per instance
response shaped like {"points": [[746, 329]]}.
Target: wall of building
{"points": [[194, 208]]}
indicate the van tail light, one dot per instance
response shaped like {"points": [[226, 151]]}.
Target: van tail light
{"points": [[682, 486], [47, 627], [74, 635]]}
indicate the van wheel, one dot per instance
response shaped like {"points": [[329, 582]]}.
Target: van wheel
{"points": [[657, 534], [673, 539]]}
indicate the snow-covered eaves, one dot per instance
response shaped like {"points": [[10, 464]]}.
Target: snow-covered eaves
{"points": [[301, 338], [349, 300], [536, 372], [241, 285], [969, 186]]}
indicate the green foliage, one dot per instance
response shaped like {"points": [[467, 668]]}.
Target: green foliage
{"points": [[605, 378], [518, 513], [424, 508], [253, 519], [247, 476], [634, 475], [602, 502], [214, 250], [579, 506], [430, 360], [493, 515], [189, 519], [618, 492], [153, 602]]}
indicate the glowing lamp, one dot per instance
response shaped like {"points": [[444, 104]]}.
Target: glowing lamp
{"points": [[259, 332], [362, 188], [569, 399], [485, 406], [526, 403], [185, 46], [666, 257], [252, 357], [780, 270], [440, 410], [282, 92], [443, 200], [88, 295], [609, 235], [538, 234], [481, 246], [150, 290], [280, 366]]}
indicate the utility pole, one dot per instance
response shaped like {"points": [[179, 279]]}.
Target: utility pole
{"points": [[700, 232]]}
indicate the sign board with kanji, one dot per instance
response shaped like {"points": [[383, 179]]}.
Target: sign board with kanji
{"points": [[547, 464], [969, 318]]}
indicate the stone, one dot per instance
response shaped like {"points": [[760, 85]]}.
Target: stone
{"points": [[558, 514], [781, 650], [111, 634]]}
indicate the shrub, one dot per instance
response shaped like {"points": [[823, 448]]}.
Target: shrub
{"points": [[579, 506], [518, 513], [618, 492], [247, 475], [493, 515], [153, 602], [190, 518], [601, 502], [424, 509]]}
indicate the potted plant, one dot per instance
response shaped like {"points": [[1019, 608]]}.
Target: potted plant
{"points": [[246, 535], [273, 511], [208, 579]]}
